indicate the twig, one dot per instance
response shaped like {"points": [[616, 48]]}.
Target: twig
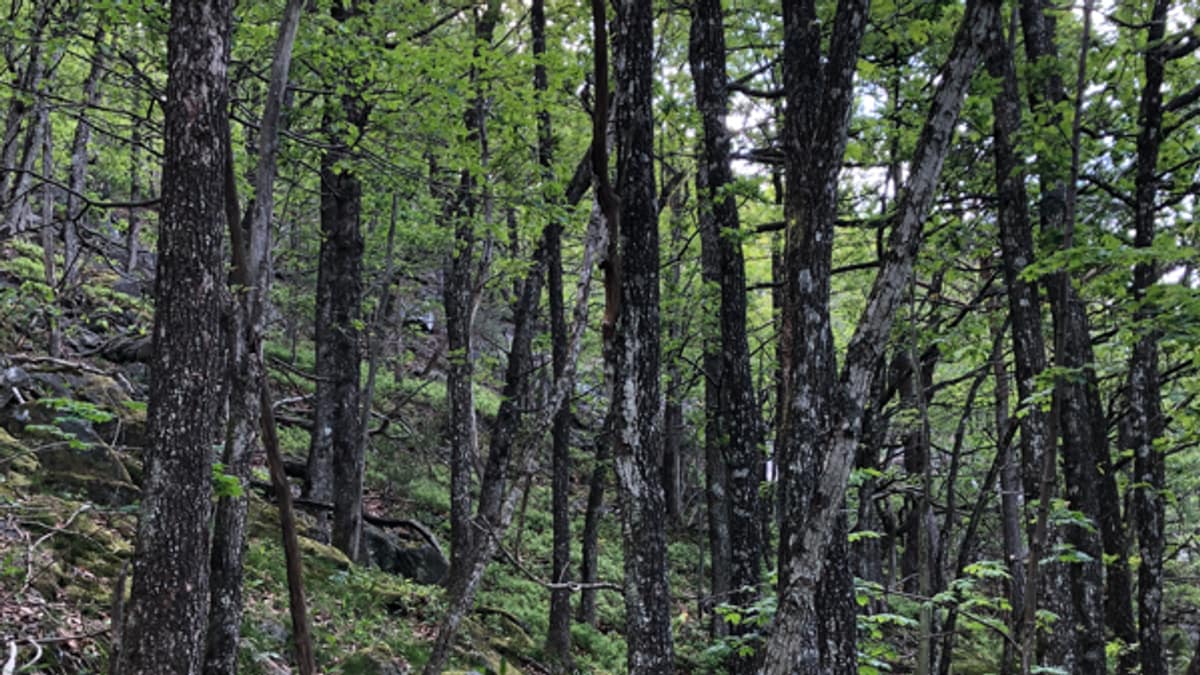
{"points": [[40, 540], [573, 586], [36, 657], [61, 363], [11, 664]]}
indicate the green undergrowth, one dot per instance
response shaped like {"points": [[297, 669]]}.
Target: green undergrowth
{"points": [[360, 617]]}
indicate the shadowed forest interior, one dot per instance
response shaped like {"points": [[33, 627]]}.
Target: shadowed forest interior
{"points": [[536, 336]]}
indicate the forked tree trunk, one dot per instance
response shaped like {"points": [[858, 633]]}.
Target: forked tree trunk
{"points": [[1097, 598], [826, 451], [250, 263]]}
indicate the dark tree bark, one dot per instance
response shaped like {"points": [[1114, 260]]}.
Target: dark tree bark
{"points": [[1145, 418], [1097, 598], [134, 233], [164, 630], [336, 453], [79, 164], [825, 452], [716, 479], [339, 300], [249, 274], [634, 343], [46, 149], [458, 300], [819, 94], [1024, 308], [738, 426], [589, 552], [1011, 507], [558, 636]]}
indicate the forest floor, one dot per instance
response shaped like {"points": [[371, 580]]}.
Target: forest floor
{"points": [[71, 439]]}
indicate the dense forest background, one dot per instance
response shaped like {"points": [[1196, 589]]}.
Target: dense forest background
{"points": [[372, 336]]}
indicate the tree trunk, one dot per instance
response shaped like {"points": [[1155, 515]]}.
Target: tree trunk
{"points": [[825, 452], [339, 300], [1145, 417], [558, 634], [1011, 507], [458, 299], [589, 551], [133, 234], [79, 164], [819, 93], [739, 427], [165, 625], [637, 422], [46, 148], [1024, 305], [251, 260], [1090, 483]]}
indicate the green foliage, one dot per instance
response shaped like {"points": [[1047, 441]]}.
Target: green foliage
{"points": [[224, 485]]}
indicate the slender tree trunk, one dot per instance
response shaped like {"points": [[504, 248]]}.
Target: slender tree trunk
{"points": [[1090, 483], [558, 635], [164, 630], [79, 164], [1011, 507], [1145, 399], [590, 546], [716, 479], [739, 427], [53, 327], [1017, 249], [133, 234], [245, 375], [458, 299]]}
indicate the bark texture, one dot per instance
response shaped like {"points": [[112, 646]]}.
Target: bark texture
{"points": [[826, 450], [1078, 412], [1145, 417], [738, 427], [811, 633], [244, 358], [637, 404], [336, 452], [558, 635], [165, 626]]}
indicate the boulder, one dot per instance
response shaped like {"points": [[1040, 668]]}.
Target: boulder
{"points": [[422, 563]]}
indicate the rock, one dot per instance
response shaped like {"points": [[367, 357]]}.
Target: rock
{"points": [[12, 378], [98, 489], [423, 564]]}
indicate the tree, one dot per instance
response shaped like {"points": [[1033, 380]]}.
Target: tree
{"points": [[734, 420], [245, 371], [336, 455], [824, 417], [634, 343], [168, 607]]}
